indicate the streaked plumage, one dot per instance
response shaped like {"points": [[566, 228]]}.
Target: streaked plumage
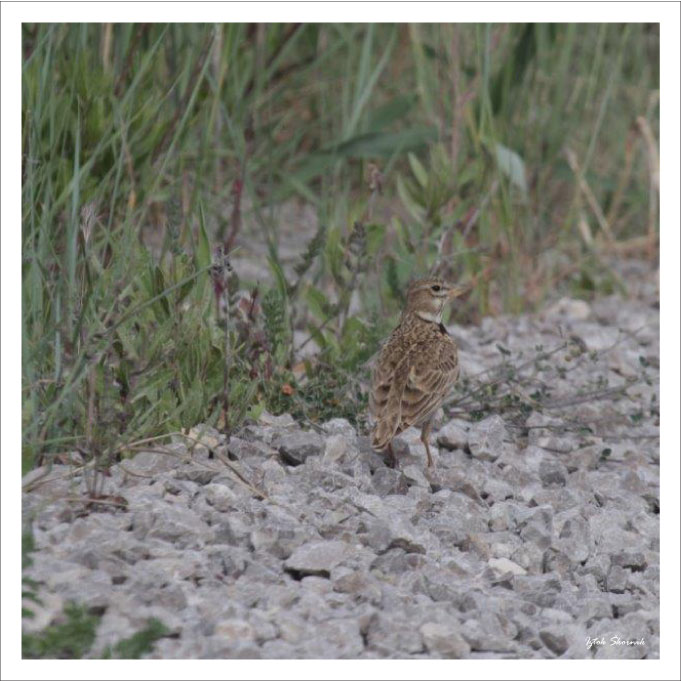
{"points": [[416, 367]]}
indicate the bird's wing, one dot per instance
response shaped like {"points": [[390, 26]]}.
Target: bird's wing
{"points": [[431, 374], [386, 401], [427, 385], [406, 393]]}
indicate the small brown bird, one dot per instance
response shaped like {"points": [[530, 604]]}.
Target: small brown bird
{"points": [[416, 368]]}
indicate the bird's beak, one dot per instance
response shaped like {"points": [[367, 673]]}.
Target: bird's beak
{"points": [[456, 291]]}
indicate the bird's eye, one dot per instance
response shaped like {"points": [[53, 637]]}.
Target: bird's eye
{"points": [[435, 287]]}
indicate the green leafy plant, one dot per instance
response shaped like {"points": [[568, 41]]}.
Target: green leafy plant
{"points": [[71, 638], [139, 643], [29, 587]]}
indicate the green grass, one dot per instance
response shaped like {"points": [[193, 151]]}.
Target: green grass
{"points": [[72, 634], [71, 638], [138, 644], [183, 136]]}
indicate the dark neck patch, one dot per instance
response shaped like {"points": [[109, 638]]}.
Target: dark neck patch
{"points": [[443, 330]]}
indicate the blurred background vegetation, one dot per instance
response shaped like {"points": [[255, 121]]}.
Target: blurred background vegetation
{"points": [[332, 163]]}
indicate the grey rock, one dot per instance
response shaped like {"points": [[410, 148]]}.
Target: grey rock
{"points": [[553, 443], [280, 421], [421, 576], [221, 648], [599, 338], [536, 526], [222, 498], [503, 566], [205, 647], [280, 536], [477, 544], [594, 609], [531, 557], [631, 561], [374, 533], [320, 585], [275, 480], [486, 438], [449, 480], [53, 572], [235, 631], [626, 638], [612, 538], [445, 640], [618, 648], [232, 528], [597, 565], [617, 579], [152, 463], [490, 625], [292, 628], [249, 450], [278, 649], [342, 427], [319, 557], [95, 593], [574, 539], [555, 640], [389, 481], [186, 489], [496, 490], [558, 562], [295, 447], [339, 449], [333, 638], [396, 561], [405, 536], [552, 473], [393, 637], [263, 628], [53, 480], [458, 517], [200, 474], [312, 606], [326, 477], [541, 590], [502, 516], [453, 435], [180, 526], [362, 586], [175, 566], [414, 476], [569, 309], [230, 561]]}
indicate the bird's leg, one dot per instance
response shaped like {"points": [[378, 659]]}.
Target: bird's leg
{"points": [[425, 434], [392, 460]]}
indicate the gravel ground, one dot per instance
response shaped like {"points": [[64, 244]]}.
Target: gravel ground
{"points": [[532, 537]]}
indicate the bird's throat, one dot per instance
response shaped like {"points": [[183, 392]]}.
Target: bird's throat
{"points": [[433, 317]]}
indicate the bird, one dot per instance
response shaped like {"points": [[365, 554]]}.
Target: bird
{"points": [[416, 367]]}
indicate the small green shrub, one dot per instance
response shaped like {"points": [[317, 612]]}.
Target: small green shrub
{"points": [[138, 644], [71, 638]]}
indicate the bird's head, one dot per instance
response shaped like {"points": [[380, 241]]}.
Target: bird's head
{"points": [[426, 298]]}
